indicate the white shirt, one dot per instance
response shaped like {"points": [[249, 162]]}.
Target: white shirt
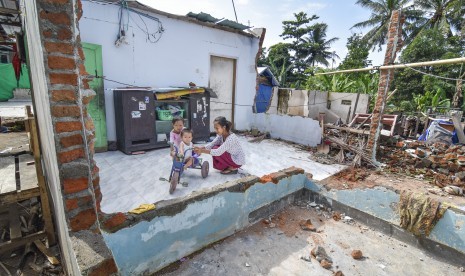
{"points": [[183, 147], [232, 145]]}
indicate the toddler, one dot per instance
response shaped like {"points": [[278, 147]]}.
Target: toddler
{"points": [[186, 144]]}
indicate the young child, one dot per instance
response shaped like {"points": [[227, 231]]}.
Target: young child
{"points": [[175, 134], [186, 144]]}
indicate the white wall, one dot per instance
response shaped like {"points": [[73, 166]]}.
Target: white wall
{"points": [[297, 129], [181, 55], [337, 107]]}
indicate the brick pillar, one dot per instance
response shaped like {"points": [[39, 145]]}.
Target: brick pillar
{"points": [[73, 128], [393, 46]]}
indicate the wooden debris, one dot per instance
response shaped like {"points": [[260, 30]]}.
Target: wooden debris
{"points": [[363, 155]]}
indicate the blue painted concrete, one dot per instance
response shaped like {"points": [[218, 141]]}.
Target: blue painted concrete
{"points": [[151, 245], [450, 230]]}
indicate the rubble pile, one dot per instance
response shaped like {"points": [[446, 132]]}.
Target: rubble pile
{"points": [[440, 164]]}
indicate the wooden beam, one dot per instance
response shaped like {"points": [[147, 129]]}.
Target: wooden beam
{"points": [[456, 118], [15, 223], [16, 196], [8, 11], [51, 258], [9, 245], [10, 23]]}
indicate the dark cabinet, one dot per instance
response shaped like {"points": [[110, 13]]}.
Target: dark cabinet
{"points": [[134, 117], [200, 116]]}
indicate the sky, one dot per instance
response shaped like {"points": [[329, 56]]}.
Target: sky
{"points": [[340, 15]]}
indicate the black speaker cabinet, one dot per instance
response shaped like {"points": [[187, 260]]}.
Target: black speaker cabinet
{"points": [[135, 119], [200, 116]]}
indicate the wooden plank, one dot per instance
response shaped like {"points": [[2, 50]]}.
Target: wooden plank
{"points": [[16, 196], [27, 173], [15, 223], [9, 245], [46, 210], [456, 117], [51, 258]]}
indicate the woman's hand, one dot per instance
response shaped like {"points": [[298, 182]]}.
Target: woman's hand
{"points": [[198, 150]]}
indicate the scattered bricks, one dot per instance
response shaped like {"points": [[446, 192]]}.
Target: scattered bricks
{"points": [[66, 111], [400, 144], [460, 175], [68, 126], [64, 78], [59, 47], [461, 160], [72, 140], [83, 220], [420, 153], [60, 18], [68, 96], [71, 204], [307, 225], [71, 186], [61, 63], [338, 273], [107, 267], [450, 156], [114, 221], [64, 34], [453, 167], [325, 264], [453, 148], [426, 163], [337, 216], [68, 156], [356, 254]]}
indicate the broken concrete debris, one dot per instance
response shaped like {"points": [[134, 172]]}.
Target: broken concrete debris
{"points": [[307, 225], [356, 254], [319, 253]]}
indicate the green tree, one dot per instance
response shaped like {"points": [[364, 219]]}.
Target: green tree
{"points": [[315, 46], [358, 51], [381, 11]]}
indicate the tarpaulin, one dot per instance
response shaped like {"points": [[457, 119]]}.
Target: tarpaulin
{"points": [[8, 80]]}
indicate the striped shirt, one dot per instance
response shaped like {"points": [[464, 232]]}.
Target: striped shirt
{"points": [[232, 145]]}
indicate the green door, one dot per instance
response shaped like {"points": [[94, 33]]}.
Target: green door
{"points": [[96, 108]]}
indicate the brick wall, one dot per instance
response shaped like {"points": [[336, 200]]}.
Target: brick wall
{"points": [[69, 95], [386, 76]]}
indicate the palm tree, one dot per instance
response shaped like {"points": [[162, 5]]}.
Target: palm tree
{"points": [[316, 47], [447, 15], [380, 18]]}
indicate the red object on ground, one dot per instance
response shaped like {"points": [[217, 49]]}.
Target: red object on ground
{"points": [[223, 161]]}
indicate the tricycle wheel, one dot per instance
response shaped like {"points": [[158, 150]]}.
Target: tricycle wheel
{"points": [[205, 169], [174, 181]]}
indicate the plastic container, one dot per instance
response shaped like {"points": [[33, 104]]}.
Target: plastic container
{"points": [[166, 115]]}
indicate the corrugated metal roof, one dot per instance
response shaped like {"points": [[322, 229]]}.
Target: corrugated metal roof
{"points": [[205, 17], [265, 71]]}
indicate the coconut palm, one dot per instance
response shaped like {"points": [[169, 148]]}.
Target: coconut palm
{"points": [[316, 48], [447, 15], [380, 18]]}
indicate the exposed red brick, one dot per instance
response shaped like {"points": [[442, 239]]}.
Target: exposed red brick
{"points": [[86, 200], [64, 63], [71, 186], [72, 140], [71, 204], [64, 34], [47, 33], [266, 178], [59, 47], [87, 99], [64, 96], [114, 221], [61, 127], [68, 156], [81, 53], [66, 111], [64, 78], [95, 170], [56, 18], [82, 70], [107, 267], [89, 124], [83, 220], [79, 9], [96, 182]]}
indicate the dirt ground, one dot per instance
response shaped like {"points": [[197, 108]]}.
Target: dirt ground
{"points": [[279, 246], [366, 178]]}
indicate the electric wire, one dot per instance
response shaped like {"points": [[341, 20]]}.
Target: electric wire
{"points": [[432, 75]]}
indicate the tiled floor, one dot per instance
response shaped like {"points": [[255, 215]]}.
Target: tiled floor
{"points": [[127, 181]]}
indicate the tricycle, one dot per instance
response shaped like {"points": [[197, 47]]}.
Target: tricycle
{"points": [[178, 167]]}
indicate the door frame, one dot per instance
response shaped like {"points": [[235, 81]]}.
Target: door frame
{"points": [[234, 59]]}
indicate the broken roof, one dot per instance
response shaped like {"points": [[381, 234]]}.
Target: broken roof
{"points": [[205, 17], [200, 19]]}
